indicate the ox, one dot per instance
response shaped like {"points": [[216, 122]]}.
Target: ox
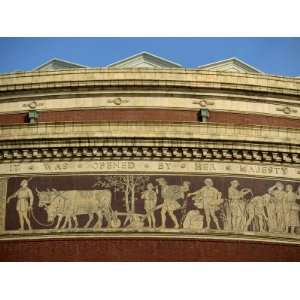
{"points": [[72, 203]]}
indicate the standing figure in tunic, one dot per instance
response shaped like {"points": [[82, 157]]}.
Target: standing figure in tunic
{"points": [[281, 207], [298, 199], [24, 203], [237, 206], [150, 197], [271, 212], [293, 207], [170, 195], [209, 198]]}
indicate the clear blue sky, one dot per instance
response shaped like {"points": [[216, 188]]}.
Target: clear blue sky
{"points": [[280, 56]]}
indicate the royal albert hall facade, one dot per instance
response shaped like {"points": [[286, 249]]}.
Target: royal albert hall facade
{"points": [[146, 160]]}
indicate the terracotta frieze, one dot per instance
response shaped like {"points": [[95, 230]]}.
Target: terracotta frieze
{"points": [[175, 199]]}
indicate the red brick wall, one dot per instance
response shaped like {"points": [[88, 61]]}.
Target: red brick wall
{"points": [[151, 115], [145, 250], [104, 115], [251, 119]]}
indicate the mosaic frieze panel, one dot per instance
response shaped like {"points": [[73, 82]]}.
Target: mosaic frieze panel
{"points": [[150, 203]]}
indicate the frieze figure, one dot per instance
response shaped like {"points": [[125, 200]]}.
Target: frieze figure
{"points": [[208, 198], [292, 220], [281, 206], [24, 203], [256, 211], [236, 208], [297, 202], [271, 213], [170, 195], [150, 201]]}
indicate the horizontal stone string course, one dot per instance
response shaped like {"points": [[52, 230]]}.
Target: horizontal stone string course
{"points": [[93, 77], [157, 84], [182, 130], [148, 152]]}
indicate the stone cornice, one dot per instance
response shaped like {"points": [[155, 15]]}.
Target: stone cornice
{"points": [[202, 141], [162, 78]]}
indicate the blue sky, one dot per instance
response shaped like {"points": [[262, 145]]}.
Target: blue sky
{"points": [[279, 56]]}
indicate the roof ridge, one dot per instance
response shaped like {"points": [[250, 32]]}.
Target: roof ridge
{"points": [[59, 60], [141, 54], [231, 59]]}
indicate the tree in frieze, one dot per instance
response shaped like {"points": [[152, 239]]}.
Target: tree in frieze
{"points": [[130, 185]]}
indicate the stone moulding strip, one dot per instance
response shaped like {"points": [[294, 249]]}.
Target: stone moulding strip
{"points": [[151, 130], [145, 142], [163, 84], [167, 77], [225, 237]]}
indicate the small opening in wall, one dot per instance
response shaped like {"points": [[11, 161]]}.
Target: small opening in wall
{"points": [[203, 115], [32, 116]]}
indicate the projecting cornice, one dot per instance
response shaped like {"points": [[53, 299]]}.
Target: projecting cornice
{"points": [[165, 78], [149, 140]]}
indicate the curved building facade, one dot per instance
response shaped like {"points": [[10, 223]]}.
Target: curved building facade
{"points": [[146, 160]]}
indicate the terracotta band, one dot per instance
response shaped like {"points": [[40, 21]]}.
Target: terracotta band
{"points": [[150, 115]]}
